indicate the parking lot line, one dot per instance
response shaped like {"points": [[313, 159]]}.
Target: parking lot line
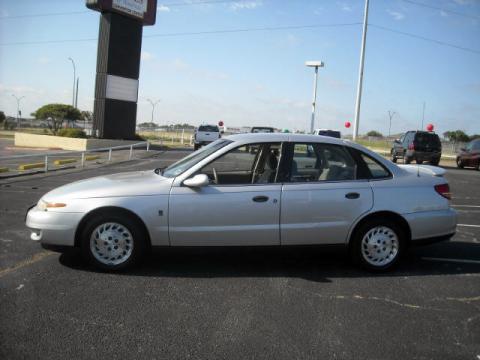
{"points": [[35, 258], [465, 261], [468, 225]]}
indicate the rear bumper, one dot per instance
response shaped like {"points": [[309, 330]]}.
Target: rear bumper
{"points": [[429, 225], [424, 156]]}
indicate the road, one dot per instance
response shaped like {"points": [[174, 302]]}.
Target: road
{"points": [[236, 303]]}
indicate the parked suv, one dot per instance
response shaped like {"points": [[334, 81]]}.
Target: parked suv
{"points": [[470, 155], [205, 134], [419, 146], [262, 129]]}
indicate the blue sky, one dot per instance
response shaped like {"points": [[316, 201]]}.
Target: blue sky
{"points": [[259, 77]]}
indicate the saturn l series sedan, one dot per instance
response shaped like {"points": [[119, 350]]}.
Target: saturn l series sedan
{"points": [[253, 190]]}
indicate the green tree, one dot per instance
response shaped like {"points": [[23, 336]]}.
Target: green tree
{"points": [[374, 133], [56, 114], [456, 136], [86, 115], [2, 117]]}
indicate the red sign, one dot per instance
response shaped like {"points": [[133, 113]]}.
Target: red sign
{"points": [[347, 124], [220, 123], [430, 127]]}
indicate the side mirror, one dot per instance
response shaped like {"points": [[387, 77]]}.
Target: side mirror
{"points": [[463, 149], [199, 180], [397, 141]]}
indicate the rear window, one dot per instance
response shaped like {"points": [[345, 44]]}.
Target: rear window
{"points": [[262, 130], [208, 128], [331, 133], [427, 138]]}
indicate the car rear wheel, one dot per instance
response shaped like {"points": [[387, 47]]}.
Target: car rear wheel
{"points": [[435, 162], [408, 160], [113, 242], [377, 245], [419, 161]]}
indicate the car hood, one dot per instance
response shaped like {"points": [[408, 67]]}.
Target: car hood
{"points": [[136, 183]]}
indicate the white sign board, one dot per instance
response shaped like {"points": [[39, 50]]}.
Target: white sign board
{"points": [[121, 88], [135, 8]]}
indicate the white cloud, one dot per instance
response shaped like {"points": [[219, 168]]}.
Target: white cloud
{"points": [[344, 6], [163, 8], [146, 56], [43, 60], [245, 5], [396, 14]]}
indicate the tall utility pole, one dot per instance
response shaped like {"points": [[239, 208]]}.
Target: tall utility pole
{"points": [[390, 115], [153, 106], [18, 104], [74, 78], [423, 115], [360, 73], [316, 65], [76, 94]]}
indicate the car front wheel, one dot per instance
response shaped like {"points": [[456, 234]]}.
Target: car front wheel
{"points": [[377, 245], [113, 242], [459, 163]]}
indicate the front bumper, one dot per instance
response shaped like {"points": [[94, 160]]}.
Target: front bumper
{"points": [[54, 228], [432, 224]]}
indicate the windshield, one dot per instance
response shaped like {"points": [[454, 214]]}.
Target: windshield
{"points": [[187, 162], [262, 130], [208, 128]]}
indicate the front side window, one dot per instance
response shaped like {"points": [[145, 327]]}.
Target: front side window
{"points": [[187, 162], [247, 164], [321, 162]]}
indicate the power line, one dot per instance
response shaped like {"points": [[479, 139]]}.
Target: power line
{"points": [[443, 43], [226, 31], [176, 4], [442, 9]]}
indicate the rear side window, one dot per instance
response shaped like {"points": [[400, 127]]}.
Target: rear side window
{"points": [[377, 170], [208, 128]]}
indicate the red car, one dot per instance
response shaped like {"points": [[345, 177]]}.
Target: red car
{"points": [[470, 155]]}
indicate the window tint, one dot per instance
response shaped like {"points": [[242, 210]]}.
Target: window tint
{"points": [[377, 170], [427, 138], [321, 162], [208, 128], [248, 164]]}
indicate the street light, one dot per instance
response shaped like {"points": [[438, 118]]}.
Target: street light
{"points": [[153, 106], [390, 115], [18, 104], [316, 65], [74, 77]]}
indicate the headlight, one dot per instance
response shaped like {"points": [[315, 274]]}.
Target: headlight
{"points": [[44, 205]]}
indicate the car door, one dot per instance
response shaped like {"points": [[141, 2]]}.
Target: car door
{"points": [[320, 203], [240, 206]]}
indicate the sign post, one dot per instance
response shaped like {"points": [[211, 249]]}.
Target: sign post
{"points": [[118, 64]]}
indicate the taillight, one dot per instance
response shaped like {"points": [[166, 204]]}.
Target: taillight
{"points": [[443, 190], [411, 146]]}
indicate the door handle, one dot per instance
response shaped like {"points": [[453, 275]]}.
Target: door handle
{"points": [[352, 195], [260, 198]]}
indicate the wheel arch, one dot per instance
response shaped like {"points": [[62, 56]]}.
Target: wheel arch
{"points": [[110, 210], [385, 214]]}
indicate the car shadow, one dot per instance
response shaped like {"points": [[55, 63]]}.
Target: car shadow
{"points": [[316, 264]]}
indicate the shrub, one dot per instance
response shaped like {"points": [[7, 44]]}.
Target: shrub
{"points": [[72, 133]]}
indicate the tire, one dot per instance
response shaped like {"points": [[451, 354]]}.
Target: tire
{"points": [[419, 161], [435, 162], [196, 147], [378, 245], [408, 160], [459, 163], [394, 159], [113, 241]]}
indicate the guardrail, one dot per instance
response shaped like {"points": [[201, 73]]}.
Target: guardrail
{"points": [[65, 157]]}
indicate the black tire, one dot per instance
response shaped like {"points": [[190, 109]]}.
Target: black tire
{"points": [[435, 162], [196, 147], [407, 160], [358, 249], [419, 161], [459, 163], [137, 242], [394, 159]]}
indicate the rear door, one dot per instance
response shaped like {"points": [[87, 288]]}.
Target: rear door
{"points": [[321, 195], [427, 142]]}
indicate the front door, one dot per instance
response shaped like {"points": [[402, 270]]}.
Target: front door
{"points": [[240, 206], [321, 196]]}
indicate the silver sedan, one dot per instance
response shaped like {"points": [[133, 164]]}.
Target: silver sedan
{"points": [[253, 190]]}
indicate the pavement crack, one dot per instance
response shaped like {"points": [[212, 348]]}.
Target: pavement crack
{"points": [[35, 258]]}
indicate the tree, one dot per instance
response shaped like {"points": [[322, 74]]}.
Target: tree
{"points": [[2, 117], [148, 125], [374, 133], [56, 114], [456, 136], [86, 116]]}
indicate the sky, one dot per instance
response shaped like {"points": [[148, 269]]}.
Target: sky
{"points": [[255, 78]]}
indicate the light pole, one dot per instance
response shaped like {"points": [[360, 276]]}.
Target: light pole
{"points": [[360, 73], [153, 106], [18, 104], [390, 115], [74, 78], [316, 65]]}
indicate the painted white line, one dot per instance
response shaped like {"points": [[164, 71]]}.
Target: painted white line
{"points": [[465, 261], [468, 206], [468, 225]]}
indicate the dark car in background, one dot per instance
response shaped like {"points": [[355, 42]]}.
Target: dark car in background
{"points": [[421, 146], [326, 132], [469, 156], [262, 129]]}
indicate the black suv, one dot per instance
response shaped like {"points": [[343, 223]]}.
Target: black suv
{"points": [[419, 146]]}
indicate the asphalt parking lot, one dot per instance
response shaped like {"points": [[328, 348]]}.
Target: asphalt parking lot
{"points": [[236, 303]]}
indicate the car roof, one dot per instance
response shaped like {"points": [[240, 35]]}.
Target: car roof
{"points": [[285, 137]]}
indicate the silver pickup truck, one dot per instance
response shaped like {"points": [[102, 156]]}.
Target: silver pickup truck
{"points": [[205, 134]]}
